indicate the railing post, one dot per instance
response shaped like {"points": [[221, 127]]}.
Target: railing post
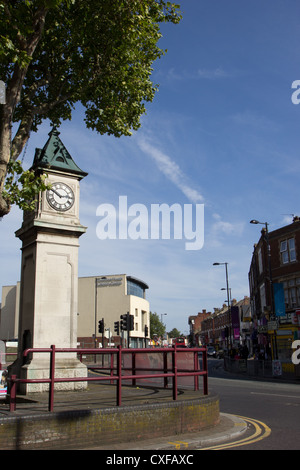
{"points": [[133, 365], [13, 393], [119, 378], [196, 368], [205, 383], [111, 367], [52, 373], [165, 353], [175, 373]]}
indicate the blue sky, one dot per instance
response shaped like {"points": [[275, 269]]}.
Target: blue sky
{"points": [[222, 131]]}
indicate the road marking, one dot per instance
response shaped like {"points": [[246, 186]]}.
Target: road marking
{"points": [[186, 444], [275, 395], [176, 444], [261, 432]]}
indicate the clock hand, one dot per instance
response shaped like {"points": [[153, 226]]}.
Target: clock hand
{"points": [[55, 192]]}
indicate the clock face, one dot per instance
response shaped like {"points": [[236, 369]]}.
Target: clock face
{"points": [[60, 197]]}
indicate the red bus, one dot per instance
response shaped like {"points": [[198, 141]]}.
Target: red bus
{"points": [[180, 342]]}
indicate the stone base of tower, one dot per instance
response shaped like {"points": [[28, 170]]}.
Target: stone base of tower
{"points": [[38, 369]]}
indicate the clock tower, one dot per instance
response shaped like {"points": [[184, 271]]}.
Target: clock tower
{"points": [[49, 271]]}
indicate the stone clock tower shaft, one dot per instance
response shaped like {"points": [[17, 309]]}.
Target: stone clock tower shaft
{"points": [[49, 270]]}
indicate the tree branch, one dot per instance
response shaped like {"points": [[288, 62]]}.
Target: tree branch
{"points": [[23, 132], [21, 136]]}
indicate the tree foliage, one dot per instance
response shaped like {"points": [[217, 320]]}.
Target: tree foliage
{"points": [[174, 333], [157, 328], [21, 186], [56, 53]]}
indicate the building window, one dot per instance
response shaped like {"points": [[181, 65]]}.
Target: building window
{"points": [[292, 293], [287, 251], [263, 302], [136, 289]]}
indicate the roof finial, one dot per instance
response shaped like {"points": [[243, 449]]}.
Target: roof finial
{"points": [[54, 130]]}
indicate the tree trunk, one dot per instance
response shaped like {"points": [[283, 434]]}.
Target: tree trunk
{"points": [[13, 94], [5, 148]]}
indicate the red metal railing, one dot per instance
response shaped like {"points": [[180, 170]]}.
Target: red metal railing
{"points": [[115, 372]]}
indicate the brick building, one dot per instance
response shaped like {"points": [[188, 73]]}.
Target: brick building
{"points": [[225, 328], [195, 322], [274, 281]]}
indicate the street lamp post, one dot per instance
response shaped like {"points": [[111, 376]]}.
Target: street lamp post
{"points": [[272, 314], [224, 288], [227, 288], [161, 319]]}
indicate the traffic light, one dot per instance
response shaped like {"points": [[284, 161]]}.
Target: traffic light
{"points": [[127, 322], [101, 326], [146, 331], [124, 322], [117, 327]]}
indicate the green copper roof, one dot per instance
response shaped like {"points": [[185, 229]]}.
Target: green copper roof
{"points": [[55, 156]]}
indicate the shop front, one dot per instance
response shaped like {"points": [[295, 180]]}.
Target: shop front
{"points": [[281, 339]]}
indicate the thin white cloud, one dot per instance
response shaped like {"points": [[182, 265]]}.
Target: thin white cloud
{"points": [[223, 227], [171, 170], [219, 72], [255, 120], [208, 74]]}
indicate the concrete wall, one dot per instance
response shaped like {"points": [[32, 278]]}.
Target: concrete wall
{"points": [[83, 429]]}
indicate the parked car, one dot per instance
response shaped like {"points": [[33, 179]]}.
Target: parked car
{"points": [[211, 351]]}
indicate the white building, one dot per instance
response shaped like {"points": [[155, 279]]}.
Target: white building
{"points": [[109, 297]]}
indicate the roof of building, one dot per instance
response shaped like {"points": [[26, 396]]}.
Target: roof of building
{"points": [[55, 156], [295, 225], [137, 281]]}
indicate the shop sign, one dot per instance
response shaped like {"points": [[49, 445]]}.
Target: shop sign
{"points": [[109, 282], [276, 368], [235, 319], [3, 383], [295, 318], [272, 325], [279, 299]]}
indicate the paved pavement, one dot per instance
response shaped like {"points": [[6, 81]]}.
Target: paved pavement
{"points": [[99, 396], [96, 396]]}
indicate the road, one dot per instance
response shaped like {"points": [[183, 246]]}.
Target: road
{"points": [[272, 405]]}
